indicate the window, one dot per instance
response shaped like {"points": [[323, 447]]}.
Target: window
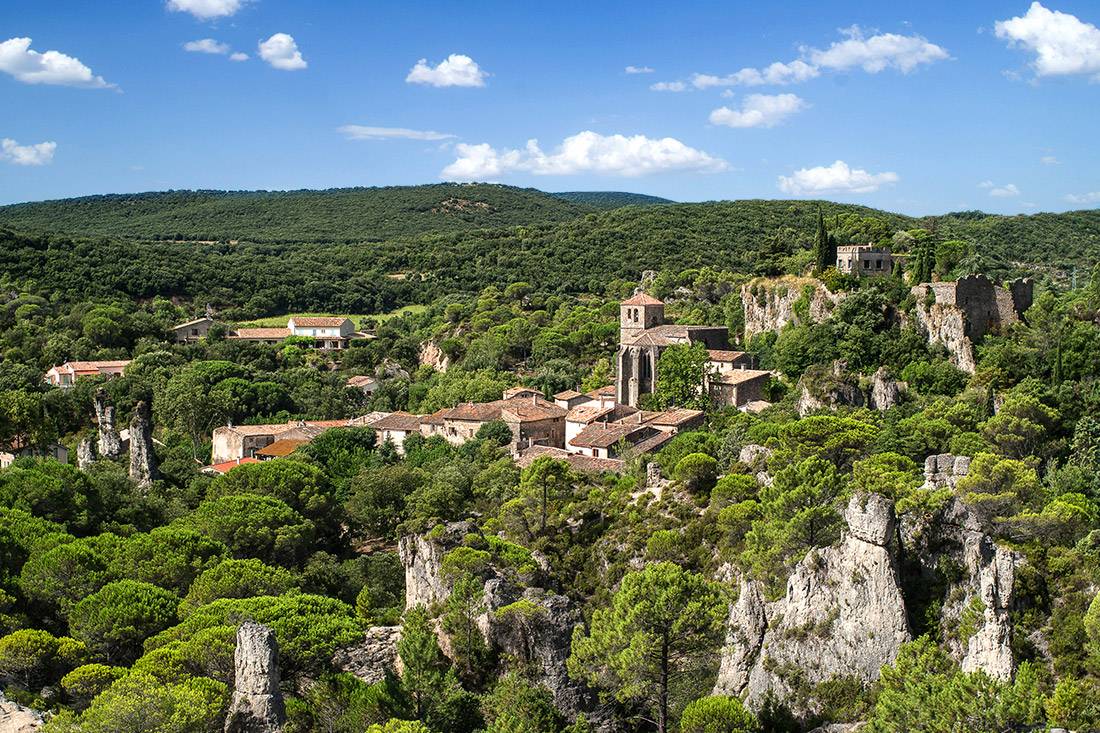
{"points": [[839, 264], [867, 264], [878, 264], [194, 332]]}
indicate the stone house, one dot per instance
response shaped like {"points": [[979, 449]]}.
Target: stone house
{"points": [[738, 387], [235, 442], [330, 332], [368, 385], [864, 260], [192, 331], [532, 420], [65, 375], [395, 427], [605, 440]]}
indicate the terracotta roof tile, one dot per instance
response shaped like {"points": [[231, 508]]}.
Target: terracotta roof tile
{"points": [[740, 376], [404, 421], [281, 447], [260, 333], [642, 299], [588, 464], [724, 356], [318, 321]]}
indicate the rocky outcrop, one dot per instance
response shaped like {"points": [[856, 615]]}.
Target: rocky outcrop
{"points": [[828, 388], [143, 458], [257, 705], [976, 602], [110, 444], [14, 718], [85, 452], [843, 614], [422, 556], [944, 470], [885, 390], [370, 659], [756, 458], [433, 356], [770, 304]]}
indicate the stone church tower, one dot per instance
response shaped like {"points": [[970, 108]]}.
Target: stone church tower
{"points": [[637, 362]]}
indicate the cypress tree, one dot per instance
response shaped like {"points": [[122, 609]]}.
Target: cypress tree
{"points": [[822, 245]]}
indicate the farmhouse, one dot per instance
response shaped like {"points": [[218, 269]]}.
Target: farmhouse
{"points": [[192, 331], [864, 260], [65, 375]]}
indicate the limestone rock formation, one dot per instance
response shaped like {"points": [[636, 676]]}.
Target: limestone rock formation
{"points": [[373, 656], [14, 718], [756, 458], [257, 705], [422, 556], [944, 470], [85, 452], [885, 390], [830, 388], [958, 314], [110, 444], [770, 304], [433, 356], [980, 600], [842, 615], [143, 458]]}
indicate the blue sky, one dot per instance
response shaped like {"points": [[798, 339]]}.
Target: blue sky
{"points": [[915, 107]]}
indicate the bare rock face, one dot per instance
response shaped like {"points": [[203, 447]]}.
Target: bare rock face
{"points": [[422, 556], [975, 608], [885, 390], [831, 388], [14, 718], [110, 444], [257, 705], [85, 452], [431, 355], [944, 470], [143, 459], [770, 304], [370, 659], [843, 614]]}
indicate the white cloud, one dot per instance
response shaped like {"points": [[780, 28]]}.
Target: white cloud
{"points": [[206, 45], [13, 152], [1062, 43], [282, 52], [1049, 160], [52, 67], [1092, 197], [206, 9], [1008, 190], [457, 70], [585, 152], [238, 56], [669, 86], [835, 178], [877, 53], [363, 132], [776, 73], [759, 110], [639, 70]]}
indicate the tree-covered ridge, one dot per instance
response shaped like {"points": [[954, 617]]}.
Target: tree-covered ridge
{"points": [[610, 199], [331, 215]]}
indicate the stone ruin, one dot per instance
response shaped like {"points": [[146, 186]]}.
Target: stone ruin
{"points": [[257, 705]]}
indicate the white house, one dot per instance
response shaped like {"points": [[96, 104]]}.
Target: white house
{"points": [[330, 332]]}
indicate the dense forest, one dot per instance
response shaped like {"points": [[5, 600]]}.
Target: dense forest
{"points": [[889, 540], [610, 199]]}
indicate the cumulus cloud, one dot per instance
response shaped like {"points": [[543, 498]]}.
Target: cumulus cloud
{"points": [[1062, 43], [669, 86], [457, 70], [206, 45], [1049, 160], [1092, 197], [18, 59], [206, 9], [777, 73], [281, 52], [835, 178], [585, 152], [877, 53], [363, 132], [1008, 190], [40, 154], [759, 110], [639, 70], [238, 56]]}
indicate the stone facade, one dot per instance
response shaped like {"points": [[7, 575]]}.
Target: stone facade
{"points": [[864, 260]]}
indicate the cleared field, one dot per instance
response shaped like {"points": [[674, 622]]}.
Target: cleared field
{"points": [[280, 321]]}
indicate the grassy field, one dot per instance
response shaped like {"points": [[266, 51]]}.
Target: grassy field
{"points": [[280, 321]]}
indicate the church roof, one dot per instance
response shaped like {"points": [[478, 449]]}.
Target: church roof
{"points": [[642, 299]]}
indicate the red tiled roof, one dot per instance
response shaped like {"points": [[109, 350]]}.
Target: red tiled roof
{"points": [[604, 435], [513, 391], [675, 417], [568, 394], [281, 447], [403, 421], [525, 409], [228, 466], [740, 376], [724, 356], [318, 321], [588, 464], [608, 390], [260, 333], [642, 299], [360, 380], [94, 366]]}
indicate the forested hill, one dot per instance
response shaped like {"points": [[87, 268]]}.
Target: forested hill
{"points": [[332, 215], [610, 199]]}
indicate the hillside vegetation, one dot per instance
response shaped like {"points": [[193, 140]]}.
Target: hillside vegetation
{"points": [[611, 199]]}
